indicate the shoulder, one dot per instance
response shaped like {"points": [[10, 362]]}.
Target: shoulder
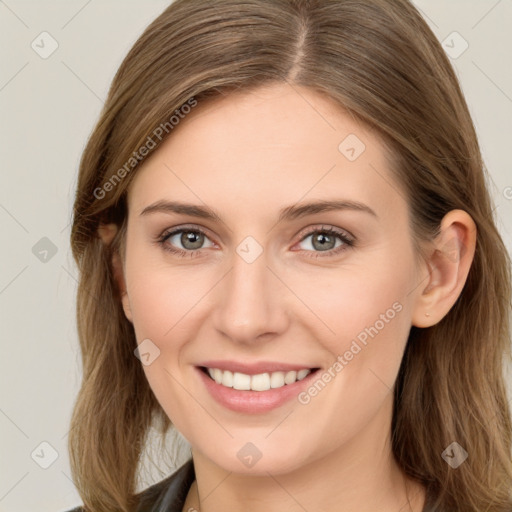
{"points": [[168, 495]]}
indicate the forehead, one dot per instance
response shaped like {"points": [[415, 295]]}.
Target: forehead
{"points": [[278, 144]]}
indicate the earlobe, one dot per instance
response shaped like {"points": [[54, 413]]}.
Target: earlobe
{"points": [[107, 232], [448, 268], [126, 307], [121, 284]]}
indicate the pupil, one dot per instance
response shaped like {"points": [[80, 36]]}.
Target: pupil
{"points": [[193, 238], [323, 240]]}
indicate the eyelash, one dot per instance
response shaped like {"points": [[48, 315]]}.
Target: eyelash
{"points": [[347, 242]]}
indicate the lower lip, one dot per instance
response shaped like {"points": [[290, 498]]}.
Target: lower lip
{"points": [[253, 402]]}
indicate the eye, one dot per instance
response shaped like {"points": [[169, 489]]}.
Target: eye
{"points": [[191, 239], [323, 240]]}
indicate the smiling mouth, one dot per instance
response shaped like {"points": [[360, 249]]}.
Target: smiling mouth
{"points": [[259, 382]]}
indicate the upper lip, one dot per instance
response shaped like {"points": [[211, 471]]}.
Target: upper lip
{"points": [[255, 368]]}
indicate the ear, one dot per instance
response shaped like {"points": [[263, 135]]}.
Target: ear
{"points": [[448, 268], [107, 232]]}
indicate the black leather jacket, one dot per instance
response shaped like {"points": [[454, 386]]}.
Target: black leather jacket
{"points": [[167, 495]]}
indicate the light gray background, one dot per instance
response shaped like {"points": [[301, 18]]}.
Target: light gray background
{"points": [[48, 108]]}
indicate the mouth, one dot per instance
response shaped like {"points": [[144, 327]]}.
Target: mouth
{"points": [[254, 387], [258, 382]]}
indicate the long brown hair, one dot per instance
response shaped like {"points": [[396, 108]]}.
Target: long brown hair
{"points": [[381, 62]]}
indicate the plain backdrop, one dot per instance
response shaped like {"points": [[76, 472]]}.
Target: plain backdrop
{"points": [[48, 107]]}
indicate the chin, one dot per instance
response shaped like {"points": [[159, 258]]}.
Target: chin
{"points": [[249, 459]]}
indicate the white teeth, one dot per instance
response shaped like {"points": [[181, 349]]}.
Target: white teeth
{"points": [[302, 373], [227, 379], [290, 377], [277, 380], [241, 381], [260, 382], [217, 375]]}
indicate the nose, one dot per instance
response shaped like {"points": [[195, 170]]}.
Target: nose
{"points": [[251, 302]]}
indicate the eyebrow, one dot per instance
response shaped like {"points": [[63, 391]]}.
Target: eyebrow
{"points": [[288, 213]]}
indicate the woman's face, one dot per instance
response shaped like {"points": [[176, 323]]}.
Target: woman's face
{"points": [[271, 284]]}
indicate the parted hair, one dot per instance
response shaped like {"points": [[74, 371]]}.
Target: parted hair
{"points": [[382, 63]]}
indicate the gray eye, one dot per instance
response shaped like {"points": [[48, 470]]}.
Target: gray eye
{"points": [[322, 241], [189, 239]]}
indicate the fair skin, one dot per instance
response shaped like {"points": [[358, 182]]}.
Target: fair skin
{"points": [[247, 156]]}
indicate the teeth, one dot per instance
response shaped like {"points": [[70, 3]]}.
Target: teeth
{"points": [[277, 380], [217, 375], [241, 381], [290, 377], [302, 373], [260, 382], [227, 379]]}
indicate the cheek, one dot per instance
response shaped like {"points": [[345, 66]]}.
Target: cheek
{"points": [[168, 305], [363, 302], [370, 316], [372, 309], [162, 298], [367, 308], [164, 307]]}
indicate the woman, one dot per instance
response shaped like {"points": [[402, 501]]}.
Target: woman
{"points": [[238, 142]]}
